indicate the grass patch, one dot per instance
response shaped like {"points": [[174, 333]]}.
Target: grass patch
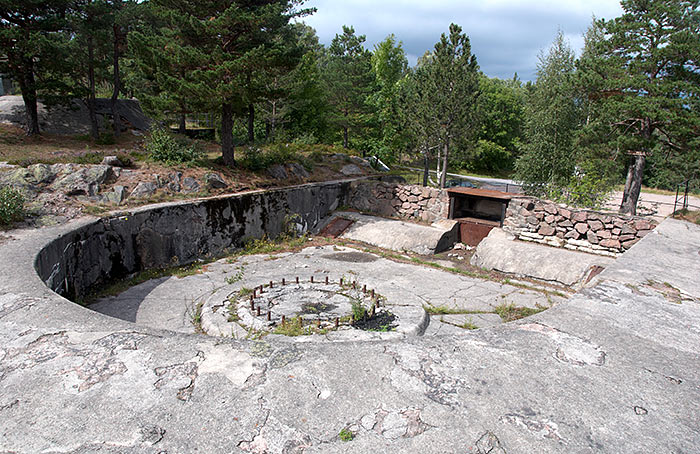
{"points": [[296, 327], [346, 435], [690, 216], [468, 324], [511, 312], [196, 318]]}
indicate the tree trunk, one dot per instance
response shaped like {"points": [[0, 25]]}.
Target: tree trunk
{"points": [[227, 150], [116, 119], [182, 124], [28, 87], [443, 175], [273, 121], [94, 127], [426, 168], [346, 139], [251, 123], [628, 181], [629, 205]]}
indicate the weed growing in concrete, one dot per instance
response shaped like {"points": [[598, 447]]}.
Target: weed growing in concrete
{"points": [[346, 435], [469, 324], [358, 310], [196, 318], [237, 277], [511, 312]]}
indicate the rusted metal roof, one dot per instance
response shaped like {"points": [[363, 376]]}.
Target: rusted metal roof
{"points": [[484, 193], [336, 227]]}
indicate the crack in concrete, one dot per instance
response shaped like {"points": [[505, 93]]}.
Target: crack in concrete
{"points": [[181, 376], [489, 443]]}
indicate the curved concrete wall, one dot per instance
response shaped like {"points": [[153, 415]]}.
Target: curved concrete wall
{"points": [[177, 234]]}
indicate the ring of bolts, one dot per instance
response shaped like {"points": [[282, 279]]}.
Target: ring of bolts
{"points": [[259, 290]]}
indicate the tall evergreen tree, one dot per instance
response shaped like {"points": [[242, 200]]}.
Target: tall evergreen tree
{"points": [[217, 46], [449, 83], [548, 161], [33, 44], [647, 69], [348, 77], [91, 23], [389, 66]]}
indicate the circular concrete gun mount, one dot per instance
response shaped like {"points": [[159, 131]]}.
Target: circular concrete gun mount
{"points": [[320, 310]]}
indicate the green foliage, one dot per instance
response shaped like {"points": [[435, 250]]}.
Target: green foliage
{"points": [[440, 97], [257, 159], [359, 311], [346, 435], [643, 80], [548, 162], [11, 205], [511, 312], [347, 75], [106, 138], [164, 146]]}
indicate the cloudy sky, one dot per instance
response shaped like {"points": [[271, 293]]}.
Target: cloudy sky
{"points": [[506, 35]]}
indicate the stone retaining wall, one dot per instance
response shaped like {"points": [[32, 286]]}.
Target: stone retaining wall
{"points": [[530, 219], [178, 234], [412, 202]]}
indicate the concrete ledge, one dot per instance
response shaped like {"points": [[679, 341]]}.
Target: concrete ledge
{"points": [[501, 252], [615, 369]]}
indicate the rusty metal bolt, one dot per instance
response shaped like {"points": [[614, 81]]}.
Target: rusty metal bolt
{"points": [[326, 280], [354, 285], [318, 323], [337, 322], [341, 281], [269, 316], [312, 279], [261, 290], [271, 284], [364, 288], [297, 279], [284, 320], [257, 312], [284, 282], [372, 293], [252, 303]]}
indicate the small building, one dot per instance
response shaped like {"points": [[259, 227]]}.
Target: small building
{"points": [[478, 211]]}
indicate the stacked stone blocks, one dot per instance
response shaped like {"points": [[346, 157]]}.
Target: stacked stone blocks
{"points": [[538, 221]]}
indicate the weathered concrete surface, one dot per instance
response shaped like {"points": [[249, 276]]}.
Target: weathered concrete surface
{"points": [[171, 302], [613, 370], [401, 236], [500, 251]]}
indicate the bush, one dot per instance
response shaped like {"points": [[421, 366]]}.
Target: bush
{"points": [[106, 138], [11, 205], [164, 146], [256, 159]]}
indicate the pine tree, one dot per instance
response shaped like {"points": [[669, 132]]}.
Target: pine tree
{"points": [[647, 73], [347, 75], [34, 45], [213, 51], [449, 85]]}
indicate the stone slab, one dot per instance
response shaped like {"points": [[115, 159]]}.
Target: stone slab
{"points": [[399, 235], [499, 251]]}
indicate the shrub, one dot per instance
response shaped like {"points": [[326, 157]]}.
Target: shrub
{"points": [[106, 138], [11, 205], [164, 146]]}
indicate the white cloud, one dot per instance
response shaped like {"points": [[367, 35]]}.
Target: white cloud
{"points": [[506, 35]]}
